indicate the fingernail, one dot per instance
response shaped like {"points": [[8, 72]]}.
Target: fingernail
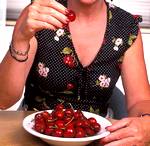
{"points": [[67, 11], [64, 25], [67, 20], [107, 127]]}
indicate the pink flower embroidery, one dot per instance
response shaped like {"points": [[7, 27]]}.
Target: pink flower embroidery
{"points": [[103, 81], [42, 70]]}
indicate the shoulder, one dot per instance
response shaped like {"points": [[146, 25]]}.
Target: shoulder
{"points": [[123, 24], [121, 17]]}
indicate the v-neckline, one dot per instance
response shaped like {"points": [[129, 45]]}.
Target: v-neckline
{"points": [[101, 46]]}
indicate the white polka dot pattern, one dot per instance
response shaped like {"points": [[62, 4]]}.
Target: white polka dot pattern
{"points": [[67, 80]]}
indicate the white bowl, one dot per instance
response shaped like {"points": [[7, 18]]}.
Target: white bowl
{"points": [[28, 124]]}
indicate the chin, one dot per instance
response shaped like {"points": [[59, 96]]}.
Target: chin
{"points": [[88, 2]]}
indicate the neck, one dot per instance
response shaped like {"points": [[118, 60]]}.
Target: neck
{"points": [[86, 10]]}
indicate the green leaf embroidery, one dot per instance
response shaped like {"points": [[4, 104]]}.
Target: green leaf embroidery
{"points": [[97, 82], [67, 51], [39, 99], [78, 98], [97, 111], [110, 15], [66, 92], [91, 109], [131, 39], [94, 111]]}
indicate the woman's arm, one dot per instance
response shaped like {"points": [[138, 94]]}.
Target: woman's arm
{"points": [[13, 75], [135, 80], [133, 130], [41, 14]]}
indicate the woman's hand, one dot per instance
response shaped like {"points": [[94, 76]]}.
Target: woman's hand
{"points": [[41, 14], [128, 132]]}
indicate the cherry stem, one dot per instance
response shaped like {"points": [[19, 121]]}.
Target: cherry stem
{"points": [[70, 121], [61, 101], [52, 120], [71, 106]]}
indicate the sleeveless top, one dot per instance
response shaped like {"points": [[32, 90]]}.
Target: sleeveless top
{"points": [[58, 76]]}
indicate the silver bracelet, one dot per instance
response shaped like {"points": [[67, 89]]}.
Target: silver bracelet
{"points": [[145, 114], [16, 58], [18, 52]]}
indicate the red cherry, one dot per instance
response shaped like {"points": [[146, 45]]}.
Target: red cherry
{"points": [[69, 61], [86, 123], [57, 132], [40, 127], [70, 86], [45, 114], [59, 106], [69, 132], [92, 120], [38, 116], [60, 124], [50, 119], [79, 123], [69, 112], [67, 119], [48, 131], [71, 15], [71, 124], [78, 115], [59, 114], [90, 132], [50, 124], [80, 132], [96, 127]]}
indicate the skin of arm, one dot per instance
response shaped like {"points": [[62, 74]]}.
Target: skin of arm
{"points": [[13, 75], [133, 130], [41, 14], [135, 80]]}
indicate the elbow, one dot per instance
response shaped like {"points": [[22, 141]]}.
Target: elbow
{"points": [[8, 100]]}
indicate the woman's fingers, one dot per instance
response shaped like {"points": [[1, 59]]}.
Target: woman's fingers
{"points": [[42, 14], [52, 4], [117, 135], [130, 141], [38, 12], [38, 25], [119, 124], [122, 130]]}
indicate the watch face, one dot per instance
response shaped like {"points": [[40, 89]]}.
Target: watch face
{"points": [[14, 8]]}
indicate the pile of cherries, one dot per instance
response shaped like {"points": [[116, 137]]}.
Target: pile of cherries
{"points": [[65, 122]]}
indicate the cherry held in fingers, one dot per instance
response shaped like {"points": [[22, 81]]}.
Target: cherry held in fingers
{"points": [[71, 15]]}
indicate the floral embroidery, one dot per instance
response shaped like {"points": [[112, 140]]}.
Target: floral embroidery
{"points": [[103, 81], [70, 86], [60, 32], [137, 18], [42, 70], [69, 59], [117, 43], [111, 5], [131, 39]]}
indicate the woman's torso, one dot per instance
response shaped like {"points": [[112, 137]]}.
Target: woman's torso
{"points": [[60, 72]]}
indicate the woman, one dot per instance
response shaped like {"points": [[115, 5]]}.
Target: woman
{"points": [[79, 62]]}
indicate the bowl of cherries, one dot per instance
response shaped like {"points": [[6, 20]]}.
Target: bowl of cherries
{"points": [[66, 126]]}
